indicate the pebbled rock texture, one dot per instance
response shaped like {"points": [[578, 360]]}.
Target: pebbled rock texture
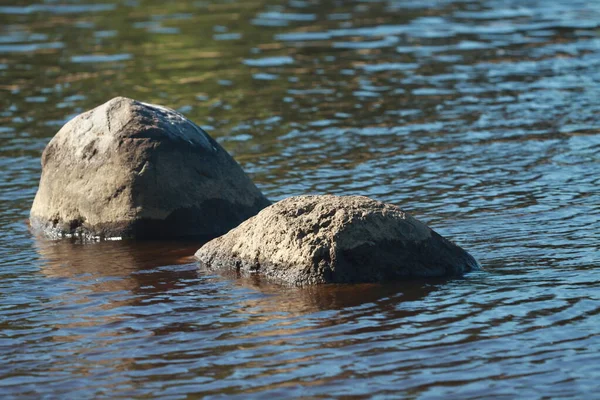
{"points": [[131, 169], [309, 240]]}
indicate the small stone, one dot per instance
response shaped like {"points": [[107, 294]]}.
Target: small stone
{"points": [[131, 169], [309, 240]]}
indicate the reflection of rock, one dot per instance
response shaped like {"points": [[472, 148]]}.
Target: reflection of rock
{"points": [[133, 169], [291, 311], [113, 266], [102, 277], [304, 300], [321, 239], [96, 291]]}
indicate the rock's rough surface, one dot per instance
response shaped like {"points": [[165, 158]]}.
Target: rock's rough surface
{"points": [[321, 239], [130, 169]]}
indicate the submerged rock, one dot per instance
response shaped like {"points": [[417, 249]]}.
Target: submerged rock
{"points": [[131, 169], [322, 239]]}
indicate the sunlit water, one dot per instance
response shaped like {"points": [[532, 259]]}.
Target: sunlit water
{"points": [[480, 117]]}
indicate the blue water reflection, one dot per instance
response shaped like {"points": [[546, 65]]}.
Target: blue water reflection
{"points": [[479, 117]]}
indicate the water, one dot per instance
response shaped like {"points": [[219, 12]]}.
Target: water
{"points": [[479, 117]]}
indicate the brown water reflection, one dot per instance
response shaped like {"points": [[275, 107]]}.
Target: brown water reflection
{"points": [[106, 280], [114, 266], [108, 276], [115, 283], [65, 258], [479, 117], [298, 301], [124, 268]]}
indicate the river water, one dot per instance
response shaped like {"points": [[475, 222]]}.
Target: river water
{"points": [[480, 117]]}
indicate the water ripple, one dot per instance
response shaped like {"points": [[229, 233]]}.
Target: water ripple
{"points": [[480, 119]]}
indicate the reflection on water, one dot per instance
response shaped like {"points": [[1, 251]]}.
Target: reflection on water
{"points": [[480, 117], [111, 267]]}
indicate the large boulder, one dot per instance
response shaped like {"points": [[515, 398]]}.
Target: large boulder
{"points": [[310, 240], [131, 169]]}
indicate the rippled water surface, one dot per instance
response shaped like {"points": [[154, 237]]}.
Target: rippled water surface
{"points": [[480, 117]]}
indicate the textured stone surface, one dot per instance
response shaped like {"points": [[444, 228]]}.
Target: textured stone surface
{"points": [[130, 169], [320, 239]]}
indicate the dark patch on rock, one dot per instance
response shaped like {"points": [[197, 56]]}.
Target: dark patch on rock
{"points": [[139, 170], [310, 240]]}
